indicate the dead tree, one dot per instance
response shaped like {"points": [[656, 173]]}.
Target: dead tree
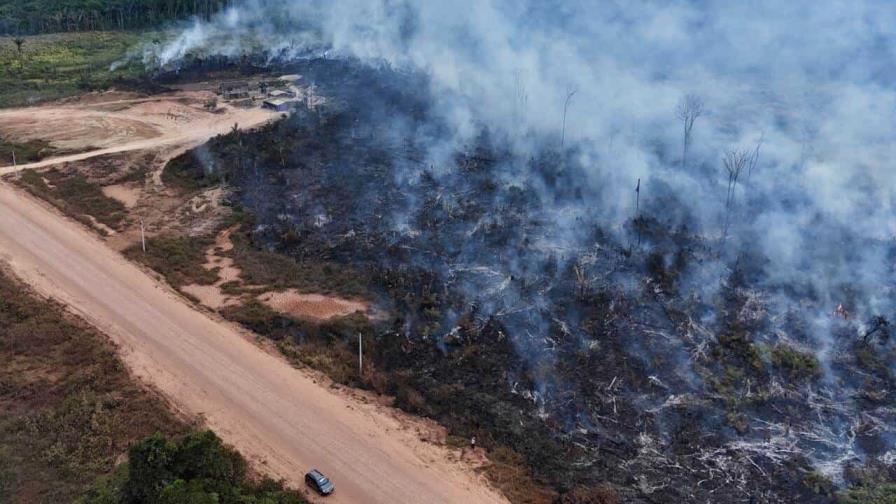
{"points": [[638, 211], [521, 100], [689, 109], [879, 325], [238, 137], [582, 281], [570, 92], [754, 157], [734, 162]]}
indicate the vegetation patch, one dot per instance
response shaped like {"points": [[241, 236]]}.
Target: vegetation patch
{"points": [[871, 494], [47, 16], [28, 152], [508, 472], [819, 483], [259, 317], [868, 359], [197, 468], [76, 197], [182, 173], [68, 408], [179, 259], [797, 364], [279, 271], [48, 67], [328, 347]]}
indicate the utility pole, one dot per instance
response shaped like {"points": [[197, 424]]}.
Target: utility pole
{"points": [[360, 356], [143, 235], [638, 209]]}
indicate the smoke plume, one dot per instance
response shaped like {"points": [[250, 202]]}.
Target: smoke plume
{"points": [[787, 168]]}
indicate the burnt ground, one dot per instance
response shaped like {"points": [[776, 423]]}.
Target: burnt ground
{"points": [[588, 350]]}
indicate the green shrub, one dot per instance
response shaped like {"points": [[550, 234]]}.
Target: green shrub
{"points": [[27, 152], [259, 318], [797, 364], [879, 494], [185, 172], [75, 196], [179, 259], [197, 469], [819, 483]]}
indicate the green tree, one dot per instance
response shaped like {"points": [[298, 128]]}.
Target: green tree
{"points": [[203, 456], [151, 469], [181, 492], [199, 469]]}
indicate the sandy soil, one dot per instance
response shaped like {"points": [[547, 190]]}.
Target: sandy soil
{"points": [[316, 307], [127, 194], [120, 125], [282, 419], [211, 295], [311, 306]]}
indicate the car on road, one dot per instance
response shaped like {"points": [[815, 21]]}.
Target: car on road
{"points": [[320, 483]]}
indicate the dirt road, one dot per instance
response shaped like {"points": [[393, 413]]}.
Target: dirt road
{"points": [[275, 415], [278, 417], [98, 128]]}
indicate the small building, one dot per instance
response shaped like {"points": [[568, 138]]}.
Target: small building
{"points": [[279, 94], [277, 104], [233, 90]]}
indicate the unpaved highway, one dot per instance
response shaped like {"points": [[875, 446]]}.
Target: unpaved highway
{"points": [[278, 417]]}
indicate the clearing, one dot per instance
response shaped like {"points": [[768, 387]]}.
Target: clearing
{"points": [[108, 123]]}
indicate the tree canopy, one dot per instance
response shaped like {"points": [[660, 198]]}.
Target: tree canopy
{"points": [[50, 16], [198, 469]]}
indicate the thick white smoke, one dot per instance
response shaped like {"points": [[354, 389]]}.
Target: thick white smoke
{"points": [[811, 80]]}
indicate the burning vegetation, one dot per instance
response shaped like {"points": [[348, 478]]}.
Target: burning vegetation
{"points": [[650, 360], [634, 272]]}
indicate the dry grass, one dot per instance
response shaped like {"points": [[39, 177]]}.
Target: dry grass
{"points": [[507, 471], [76, 197], [279, 271], [68, 408], [27, 152], [179, 259]]}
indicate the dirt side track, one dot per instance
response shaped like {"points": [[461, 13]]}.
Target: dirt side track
{"points": [[278, 417], [99, 128]]}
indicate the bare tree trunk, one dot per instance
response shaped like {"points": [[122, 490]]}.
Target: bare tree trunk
{"points": [[734, 162], [689, 109], [638, 210], [754, 157], [570, 92]]}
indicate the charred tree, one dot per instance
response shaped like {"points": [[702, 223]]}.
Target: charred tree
{"points": [[689, 109], [734, 162], [570, 92], [879, 326]]}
